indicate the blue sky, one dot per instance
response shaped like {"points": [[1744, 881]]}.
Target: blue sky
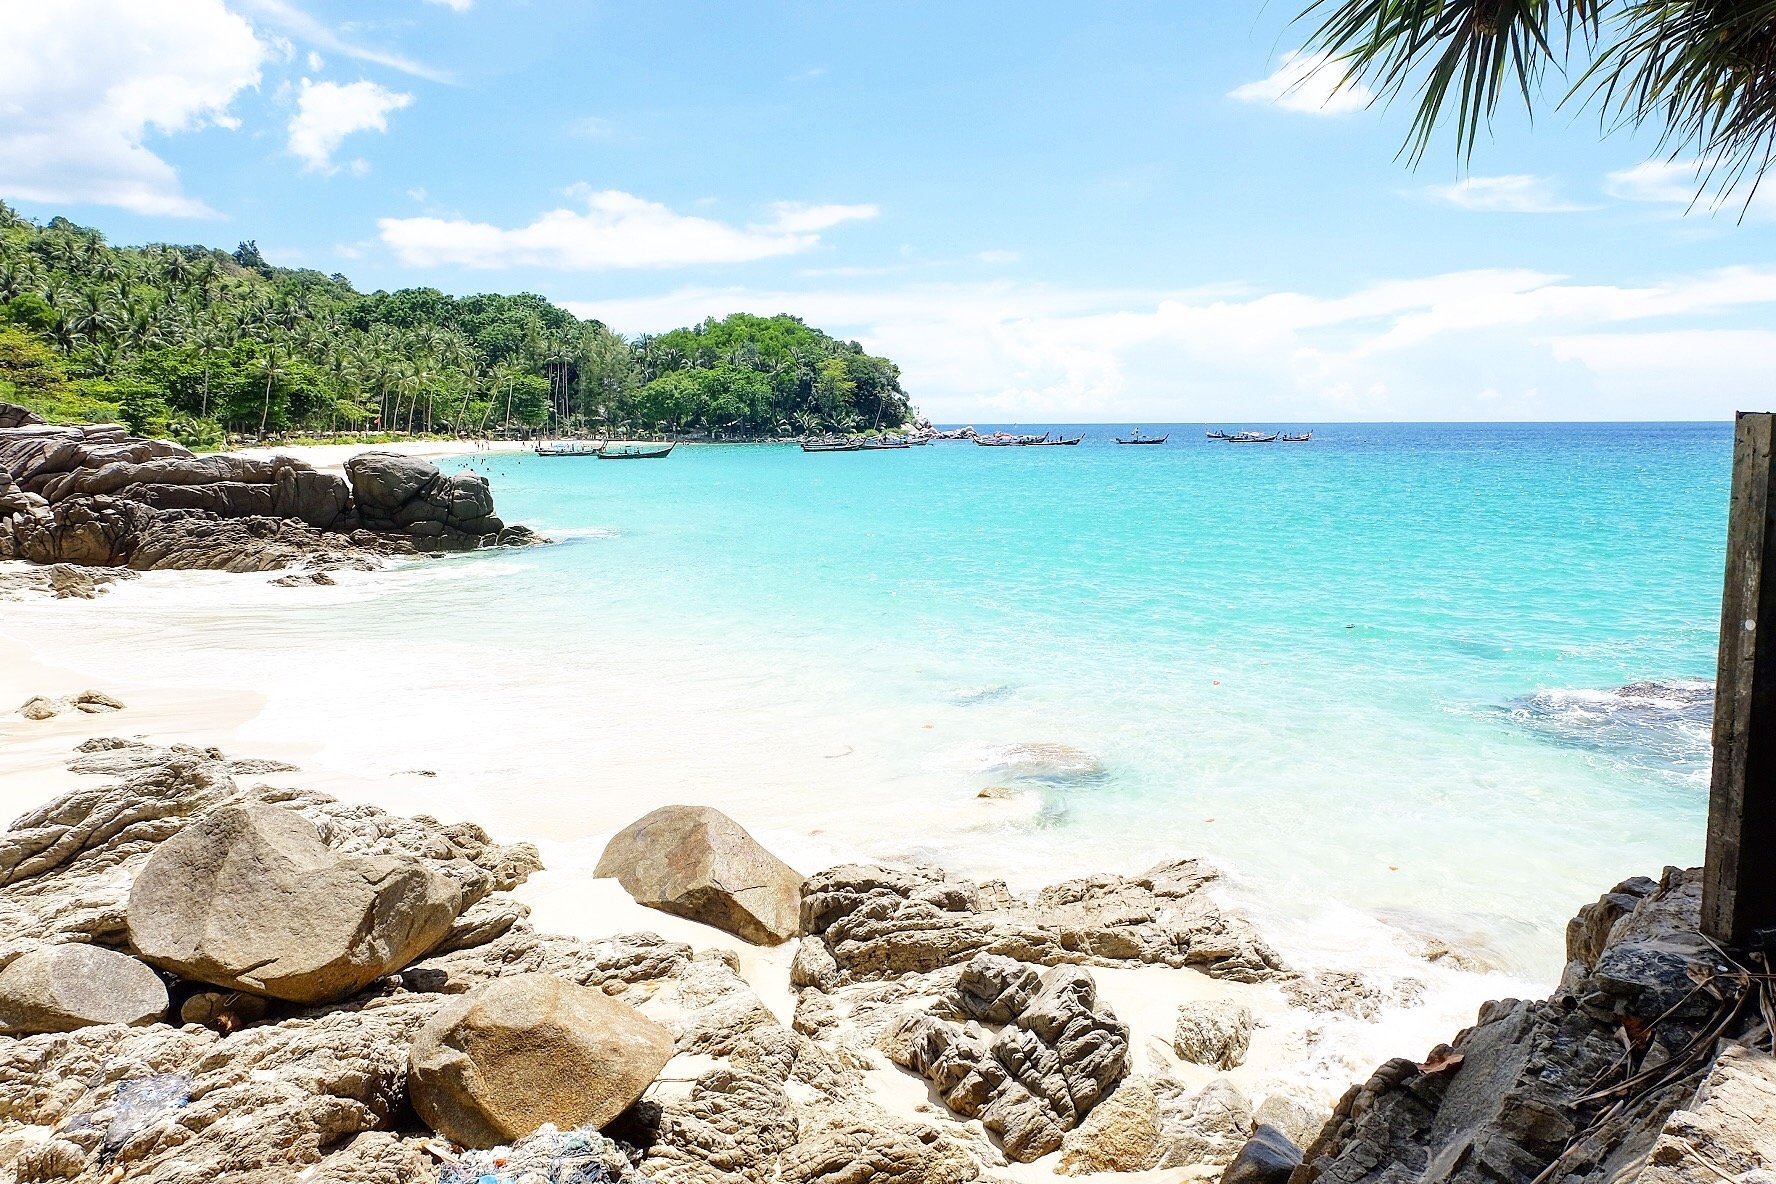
{"points": [[1042, 210]]}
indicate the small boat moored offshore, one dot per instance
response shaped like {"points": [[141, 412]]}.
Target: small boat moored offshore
{"points": [[1302, 438], [633, 451], [1250, 438], [568, 447], [883, 444], [1059, 442], [832, 444], [1138, 438]]}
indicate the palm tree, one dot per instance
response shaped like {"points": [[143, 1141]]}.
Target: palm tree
{"points": [[271, 365], [1702, 71]]}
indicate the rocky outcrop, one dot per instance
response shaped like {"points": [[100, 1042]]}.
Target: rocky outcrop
{"points": [[530, 1049], [64, 987], [402, 494], [1035, 1078], [1582, 1087], [879, 922], [94, 496], [14, 416], [696, 862], [251, 898]]}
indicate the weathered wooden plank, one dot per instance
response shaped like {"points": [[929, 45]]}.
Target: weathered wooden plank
{"points": [[1739, 885]]}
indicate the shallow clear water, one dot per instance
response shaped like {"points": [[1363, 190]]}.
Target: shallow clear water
{"points": [[1377, 672]]}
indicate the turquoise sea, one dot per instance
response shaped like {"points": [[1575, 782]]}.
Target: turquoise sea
{"points": [[1454, 677]]}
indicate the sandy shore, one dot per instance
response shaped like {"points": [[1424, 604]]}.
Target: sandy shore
{"points": [[1311, 1056], [332, 457]]}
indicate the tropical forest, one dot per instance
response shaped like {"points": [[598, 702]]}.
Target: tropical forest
{"points": [[200, 345]]}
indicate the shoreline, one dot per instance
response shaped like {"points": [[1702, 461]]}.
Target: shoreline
{"points": [[1314, 1054]]}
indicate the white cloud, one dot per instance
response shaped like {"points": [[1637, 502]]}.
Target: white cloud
{"points": [[328, 112], [616, 229], [1306, 83], [1670, 181], [454, 5], [1512, 194], [1466, 345], [1676, 184], [592, 127], [84, 84], [305, 28]]}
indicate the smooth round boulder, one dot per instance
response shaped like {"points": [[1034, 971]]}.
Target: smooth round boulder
{"points": [[250, 898], [695, 862], [64, 987], [497, 1063]]}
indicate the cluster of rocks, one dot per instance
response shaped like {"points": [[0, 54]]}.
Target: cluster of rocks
{"points": [[95, 496], [1650, 1063], [204, 975], [39, 707]]}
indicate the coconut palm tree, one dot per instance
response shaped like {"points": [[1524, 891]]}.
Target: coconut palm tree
{"points": [[1701, 71], [272, 366]]}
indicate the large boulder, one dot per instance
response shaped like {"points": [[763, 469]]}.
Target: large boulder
{"points": [[250, 898], [14, 416], [696, 862], [64, 987], [528, 1049], [406, 495]]}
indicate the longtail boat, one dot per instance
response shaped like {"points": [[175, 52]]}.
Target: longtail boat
{"points": [[1061, 442], [568, 448], [1303, 438], [633, 451], [1138, 438], [1251, 438], [832, 445]]}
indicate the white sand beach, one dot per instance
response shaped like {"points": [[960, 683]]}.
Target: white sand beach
{"points": [[1309, 1056]]}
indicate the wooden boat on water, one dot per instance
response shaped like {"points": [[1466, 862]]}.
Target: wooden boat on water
{"points": [[633, 451], [1216, 435], [1138, 438], [1303, 438], [568, 447], [832, 444], [869, 445], [1062, 442], [1251, 438]]}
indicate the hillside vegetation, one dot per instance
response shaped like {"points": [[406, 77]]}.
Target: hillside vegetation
{"points": [[196, 343]]}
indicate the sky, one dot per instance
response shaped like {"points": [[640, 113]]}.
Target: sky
{"points": [[1042, 211]]}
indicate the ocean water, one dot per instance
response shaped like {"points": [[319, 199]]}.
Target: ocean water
{"points": [[1417, 680]]}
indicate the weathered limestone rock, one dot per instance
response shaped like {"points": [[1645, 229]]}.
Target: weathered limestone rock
{"points": [[1214, 1032], [881, 922], [1120, 1135], [38, 707], [250, 898], [996, 989], [1728, 1131], [696, 862], [14, 416], [1037, 1078], [1207, 1128], [1267, 1158], [64, 987], [530, 1049], [865, 1145]]}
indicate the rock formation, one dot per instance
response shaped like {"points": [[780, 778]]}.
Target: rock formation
{"points": [[499, 1062], [96, 496], [251, 898], [1649, 1065], [1039, 1075], [64, 987], [1650, 1040], [1213, 1032], [881, 922], [696, 862]]}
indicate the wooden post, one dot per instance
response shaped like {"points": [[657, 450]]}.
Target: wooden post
{"points": [[1739, 880]]}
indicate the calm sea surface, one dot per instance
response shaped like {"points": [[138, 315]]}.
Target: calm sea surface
{"points": [[1452, 676]]}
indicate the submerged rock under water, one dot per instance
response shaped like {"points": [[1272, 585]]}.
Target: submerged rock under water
{"points": [[1662, 725]]}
